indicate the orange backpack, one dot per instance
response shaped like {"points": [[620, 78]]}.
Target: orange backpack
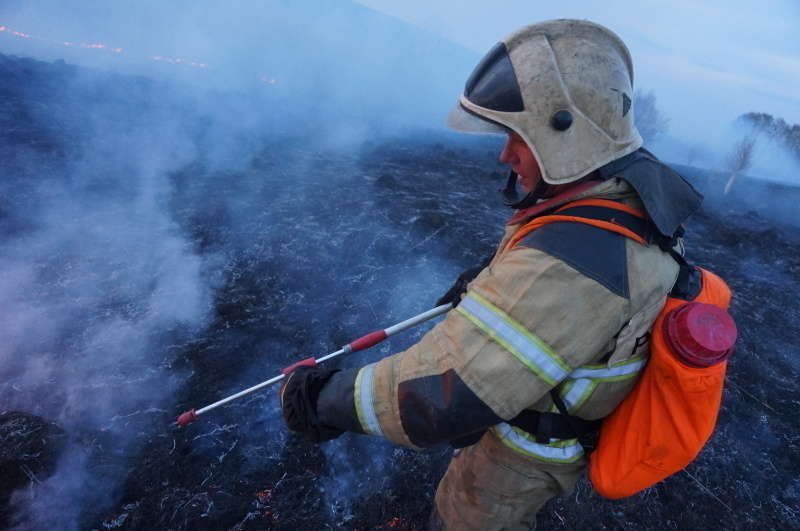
{"points": [[662, 425]]}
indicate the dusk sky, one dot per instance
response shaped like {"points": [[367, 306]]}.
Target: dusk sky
{"points": [[706, 62]]}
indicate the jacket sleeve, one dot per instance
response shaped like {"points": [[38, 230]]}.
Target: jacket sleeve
{"points": [[528, 321]]}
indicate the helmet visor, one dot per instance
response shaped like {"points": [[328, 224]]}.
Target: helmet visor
{"points": [[493, 84]]}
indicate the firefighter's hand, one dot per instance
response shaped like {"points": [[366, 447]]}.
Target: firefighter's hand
{"points": [[458, 289], [299, 393]]}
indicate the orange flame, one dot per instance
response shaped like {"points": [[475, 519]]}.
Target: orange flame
{"points": [[175, 61], [104, 47], [18, 34]]}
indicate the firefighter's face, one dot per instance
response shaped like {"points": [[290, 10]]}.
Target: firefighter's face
{"points": [[519, 155]]}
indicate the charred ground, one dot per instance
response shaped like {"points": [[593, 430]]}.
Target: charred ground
{"points": [[303, 248]]}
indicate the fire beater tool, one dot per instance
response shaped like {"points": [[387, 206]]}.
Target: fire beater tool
{"points": [[361, 343]]}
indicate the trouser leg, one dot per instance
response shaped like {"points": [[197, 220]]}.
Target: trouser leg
{"points": [[490, 486]]}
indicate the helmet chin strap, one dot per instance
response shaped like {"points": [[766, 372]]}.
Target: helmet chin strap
{"points": [[511, 198]]}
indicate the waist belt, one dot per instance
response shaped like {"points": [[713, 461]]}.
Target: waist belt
{"points": [[548, 426]]}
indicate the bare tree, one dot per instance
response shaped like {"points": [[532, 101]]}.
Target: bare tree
{"points": [[741, 157], [650, 122], [775, 129]]}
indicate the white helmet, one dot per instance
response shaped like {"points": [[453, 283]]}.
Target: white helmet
{"points": [[565, 86]]}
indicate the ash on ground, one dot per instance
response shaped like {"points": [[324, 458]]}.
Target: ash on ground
{"points": [[157, 258]]}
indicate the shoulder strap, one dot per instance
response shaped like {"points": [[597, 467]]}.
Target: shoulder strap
{"points": [[629, 222], [602, 213]]}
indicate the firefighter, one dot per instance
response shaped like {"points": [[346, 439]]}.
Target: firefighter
{"points": [[552, 334]]}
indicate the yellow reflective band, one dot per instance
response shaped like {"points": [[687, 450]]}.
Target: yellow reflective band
{"points": [[619, 371], [582, 382], [526, 347], [579, 392], [557, 451], [363, 400]]}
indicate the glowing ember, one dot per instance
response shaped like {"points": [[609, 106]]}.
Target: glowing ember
{"points": [[264, 496], [264, 502], [399, 524]]}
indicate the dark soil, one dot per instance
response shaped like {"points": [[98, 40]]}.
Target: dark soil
{"points": [[297, 248]]}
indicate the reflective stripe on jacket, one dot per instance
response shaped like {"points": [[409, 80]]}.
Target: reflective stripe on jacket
{"points": [[568, 308]]}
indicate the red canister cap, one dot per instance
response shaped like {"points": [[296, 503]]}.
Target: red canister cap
{"points": [[700, 334]]}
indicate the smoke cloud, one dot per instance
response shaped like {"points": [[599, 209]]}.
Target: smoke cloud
{"points": [[99, 283], [173, 233]]}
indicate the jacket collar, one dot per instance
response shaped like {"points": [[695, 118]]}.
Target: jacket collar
{"points": [[571, 194], [668, 199]]}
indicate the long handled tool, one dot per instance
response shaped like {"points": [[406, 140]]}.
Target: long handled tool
{"points": [[361, 343]]}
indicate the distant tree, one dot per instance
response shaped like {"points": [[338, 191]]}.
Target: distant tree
{"points": [[760, 121], [792, 139], [775, 129], [741, 157], [650, 122]]}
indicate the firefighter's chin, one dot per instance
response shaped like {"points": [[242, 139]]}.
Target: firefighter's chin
{"points": [[527, 183]]}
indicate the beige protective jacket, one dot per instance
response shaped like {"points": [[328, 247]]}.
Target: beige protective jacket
{"points": [[569, 307]]}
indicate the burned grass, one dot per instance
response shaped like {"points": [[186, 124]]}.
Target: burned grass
{"points": [[304, 249]]}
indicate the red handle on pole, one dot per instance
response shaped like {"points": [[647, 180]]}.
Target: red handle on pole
{"points": [[368, 340]]}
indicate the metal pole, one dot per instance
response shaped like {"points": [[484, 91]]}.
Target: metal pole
{"points": [[361, 343]]}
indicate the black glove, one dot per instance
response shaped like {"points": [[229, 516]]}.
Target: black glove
{"points": [[454, 294], [299, 394]]}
